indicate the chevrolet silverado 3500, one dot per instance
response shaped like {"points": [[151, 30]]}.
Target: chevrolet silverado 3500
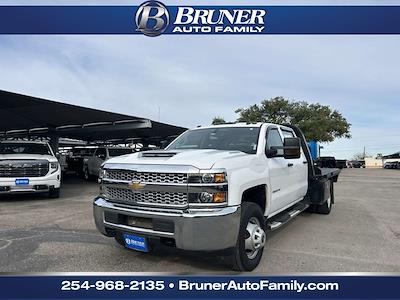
{"points": [[213, 188]]}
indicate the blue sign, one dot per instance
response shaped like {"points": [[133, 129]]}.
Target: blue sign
{"points": [[135, 242], [153, 18], [22, 181]]}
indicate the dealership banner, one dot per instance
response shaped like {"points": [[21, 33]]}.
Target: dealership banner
{"points": [[211, 287], [153, 18]]}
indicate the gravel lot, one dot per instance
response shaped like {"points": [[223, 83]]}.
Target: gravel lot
{"points": [[361, 234]]}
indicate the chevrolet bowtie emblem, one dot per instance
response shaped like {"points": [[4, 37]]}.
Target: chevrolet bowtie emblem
{"points": [[136, 186]]}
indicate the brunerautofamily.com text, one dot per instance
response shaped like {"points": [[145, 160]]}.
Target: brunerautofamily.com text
{"points": [[187, 285]]}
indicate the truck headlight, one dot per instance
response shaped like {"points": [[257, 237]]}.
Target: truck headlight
{"points": [[207, 178], [218, 197], [208, 199], [102, 173], [54, 167], [205, 197]]}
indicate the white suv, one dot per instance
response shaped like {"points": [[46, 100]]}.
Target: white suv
{"points": [[92, 163], [29, 166]]}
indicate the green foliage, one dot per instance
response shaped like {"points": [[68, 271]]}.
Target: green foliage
{"points": [[218, 121], [360, 156], [318, 122]]}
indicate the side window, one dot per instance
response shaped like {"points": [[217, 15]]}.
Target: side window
{"points": [[274, 140], [287, 134]]}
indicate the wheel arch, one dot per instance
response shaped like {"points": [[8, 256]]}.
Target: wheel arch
{"points": [[257, 194]]}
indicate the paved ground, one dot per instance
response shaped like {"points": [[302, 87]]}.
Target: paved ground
{"points": [[361, 234]]}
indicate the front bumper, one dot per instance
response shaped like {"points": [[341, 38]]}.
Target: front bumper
{"points": [[192, 229], [36, 184]]}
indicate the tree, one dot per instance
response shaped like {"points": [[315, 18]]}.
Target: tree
{"points": [[318, 122], [218, 121], [360, 156]]}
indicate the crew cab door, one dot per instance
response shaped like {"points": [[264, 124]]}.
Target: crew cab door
{"points": [[288, 177], [279, 172], [298, 170]]}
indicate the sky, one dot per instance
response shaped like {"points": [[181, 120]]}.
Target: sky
{"points": [[188, 80]]}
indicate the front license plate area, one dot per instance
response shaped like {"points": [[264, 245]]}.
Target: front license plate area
{"points": [[22, 181], [135, 242]]}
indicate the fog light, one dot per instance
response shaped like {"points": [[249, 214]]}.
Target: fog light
{"points": [[206, 197], [219, 197]]}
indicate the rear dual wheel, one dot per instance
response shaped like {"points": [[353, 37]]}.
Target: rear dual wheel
{"points": [[326, 207]]}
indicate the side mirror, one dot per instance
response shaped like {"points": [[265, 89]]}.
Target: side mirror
{"points": [[270, 152], [291, 148], [102, 156]]}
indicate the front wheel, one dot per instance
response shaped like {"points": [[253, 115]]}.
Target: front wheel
{"points": [[54, 193], [251, 239]]}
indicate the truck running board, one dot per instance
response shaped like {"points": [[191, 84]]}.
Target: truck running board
{"points": [[282, 218]]}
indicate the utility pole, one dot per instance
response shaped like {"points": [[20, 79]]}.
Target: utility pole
{"points": [[364, 153]]}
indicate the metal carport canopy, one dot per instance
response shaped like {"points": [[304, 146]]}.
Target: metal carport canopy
{"points": [[26, 116]]}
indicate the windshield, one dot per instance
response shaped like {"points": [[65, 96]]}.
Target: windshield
{"points": [[24, 148], [118, 152], [83, 151], [243, 139]]}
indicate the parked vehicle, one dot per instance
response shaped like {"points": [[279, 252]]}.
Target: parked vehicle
{"points": [[29, 166], [391, 165], [213, 188], [62, 159], [92, 163], [326, 162], [341, 163], [76, 157], [356, 164]]}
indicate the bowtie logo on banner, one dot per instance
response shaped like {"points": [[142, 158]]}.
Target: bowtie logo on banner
{"points": [[153, 18]]}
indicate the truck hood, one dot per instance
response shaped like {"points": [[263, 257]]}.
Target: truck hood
{"points": [[27, 156], [201, 159]]}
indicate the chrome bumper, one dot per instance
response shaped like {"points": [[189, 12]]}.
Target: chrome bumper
{"points": [[193, 229]]}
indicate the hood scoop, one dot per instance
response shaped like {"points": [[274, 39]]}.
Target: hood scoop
{"points": [[158, 154]]}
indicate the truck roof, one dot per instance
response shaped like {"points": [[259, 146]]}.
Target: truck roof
{"points": [[259, 124]]}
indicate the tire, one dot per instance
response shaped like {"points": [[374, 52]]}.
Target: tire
{"points": [[119, 240], [253, 229], [325, 209], [311, 208], [54, 193]]}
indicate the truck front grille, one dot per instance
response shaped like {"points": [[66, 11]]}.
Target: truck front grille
{"points": [[150, 198], [128, 175], [24, 168]]}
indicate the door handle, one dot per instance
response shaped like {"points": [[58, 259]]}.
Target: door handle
{"points": [[305, 162], [290, 165]]}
